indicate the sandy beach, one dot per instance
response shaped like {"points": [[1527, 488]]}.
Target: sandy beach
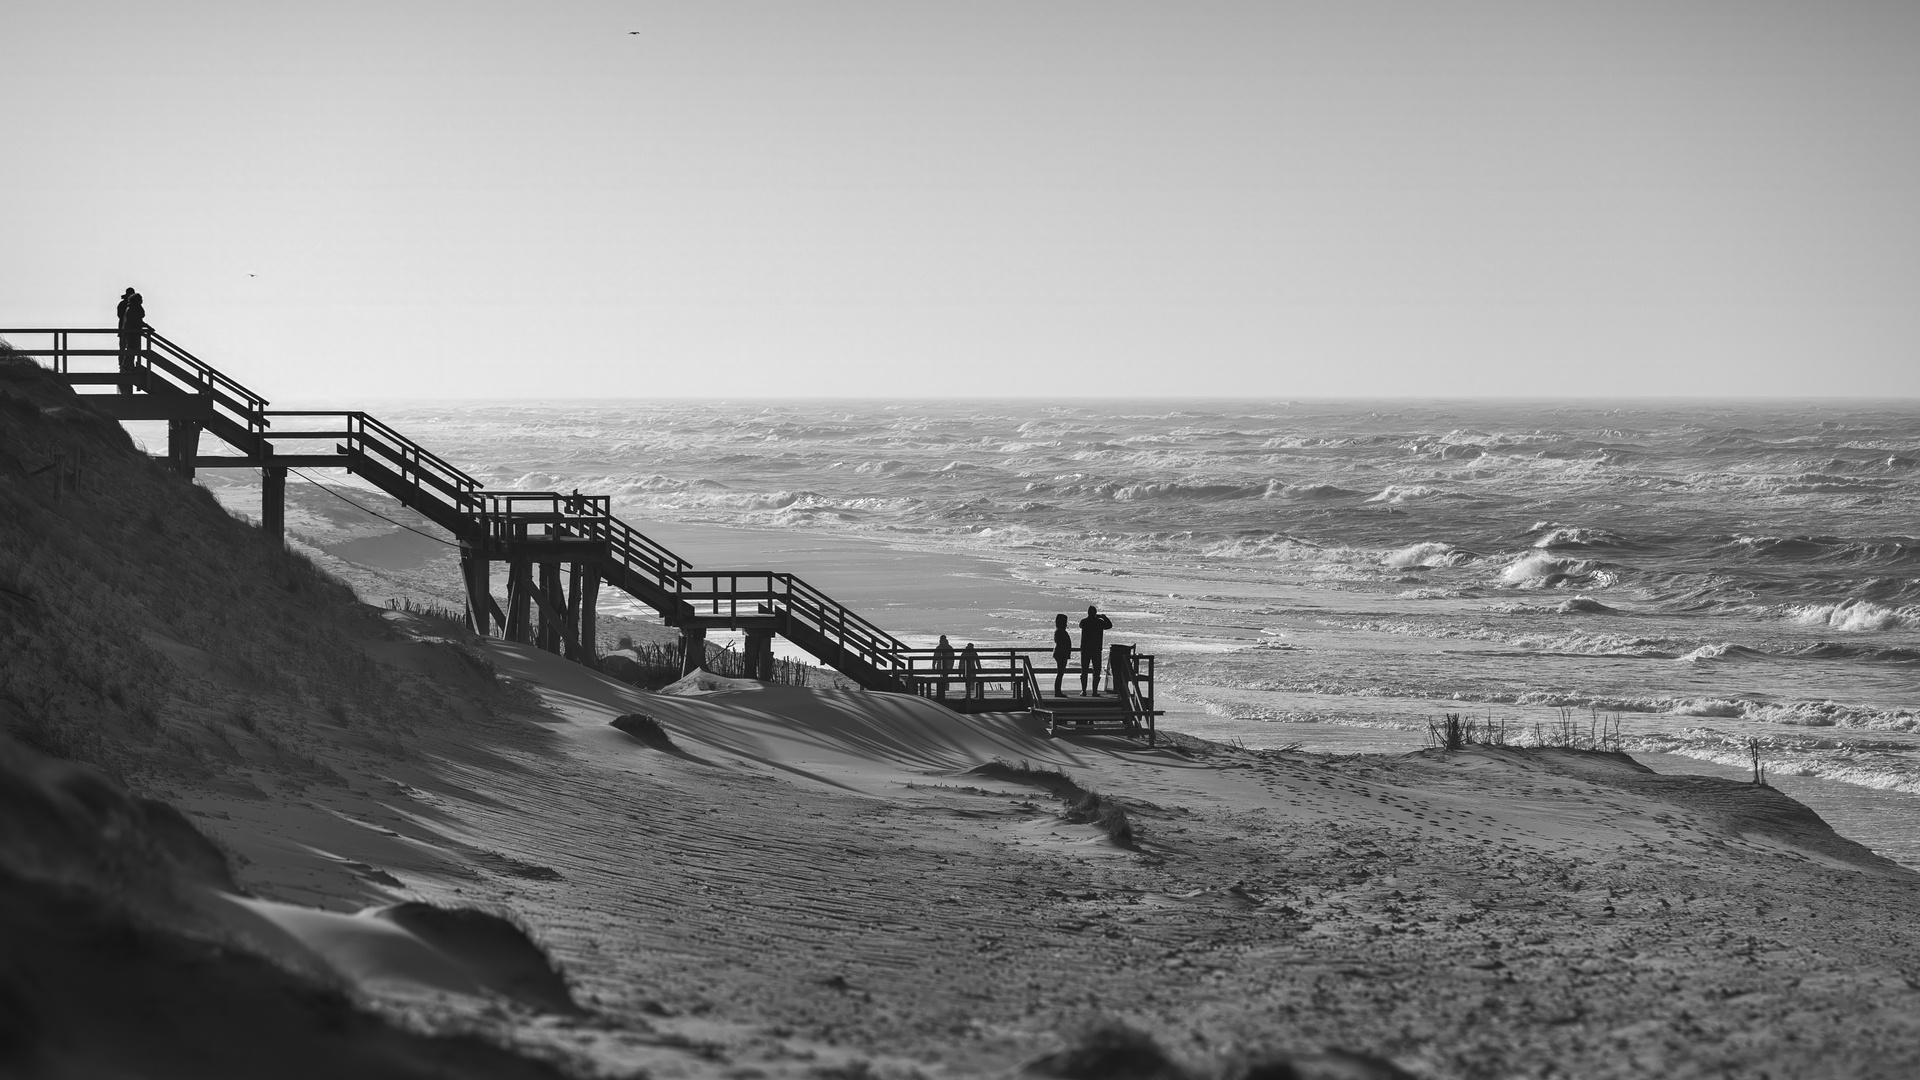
{"points": [[804, 879]]}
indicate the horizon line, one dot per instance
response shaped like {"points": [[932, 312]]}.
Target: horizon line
{"points": [[1810, 399]]}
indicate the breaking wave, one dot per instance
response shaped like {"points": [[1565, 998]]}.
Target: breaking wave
{"points": [[1428, 554], [1543, 571], [1855, 617]]}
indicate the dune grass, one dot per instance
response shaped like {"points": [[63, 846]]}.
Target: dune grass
{"points": [[646, 729], [1084, 807]]}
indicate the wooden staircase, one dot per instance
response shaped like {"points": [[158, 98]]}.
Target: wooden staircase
{"points": [[559, 548]]}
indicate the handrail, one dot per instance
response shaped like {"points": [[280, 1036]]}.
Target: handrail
{"points": [[160, 356], [255, 404], [414, 453], [420, 467], [839, 624], [1034, 695]]}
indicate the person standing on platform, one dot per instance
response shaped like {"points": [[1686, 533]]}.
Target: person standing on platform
{"points": [[133, 320], [1062, 652], [970, 671], [943, 664], [1093, 630]]}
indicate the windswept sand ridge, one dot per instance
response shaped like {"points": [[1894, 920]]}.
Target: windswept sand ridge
{"points": [[125, 953]]}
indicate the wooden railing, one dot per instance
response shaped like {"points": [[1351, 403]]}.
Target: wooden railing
{"points": [[1137, 687], [920, 669], [1014, 668], [736, 596], [421, 471], [156, 359], [1034, 692]]}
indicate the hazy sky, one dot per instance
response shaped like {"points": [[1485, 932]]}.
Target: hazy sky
{"points": [[349, 200]]}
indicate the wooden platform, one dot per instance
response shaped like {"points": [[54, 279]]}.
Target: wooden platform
{"points": [[1106, 714]]}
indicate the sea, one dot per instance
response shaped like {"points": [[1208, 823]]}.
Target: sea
{"points": [[1699, 582]]}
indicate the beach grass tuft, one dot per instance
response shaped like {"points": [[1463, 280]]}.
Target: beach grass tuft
{"points": [[1084, 807], [646, 729]]}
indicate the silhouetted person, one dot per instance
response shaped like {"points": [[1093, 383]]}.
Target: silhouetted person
{"points": [[1093, 630], [1062, 652], [970, 671], [133, 320], [943, 663]]}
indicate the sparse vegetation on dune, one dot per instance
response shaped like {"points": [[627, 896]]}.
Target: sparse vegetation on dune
{"points": [[1455, 731], [1083, 807], [646, 729]]}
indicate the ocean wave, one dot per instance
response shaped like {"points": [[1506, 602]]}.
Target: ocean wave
{"points": [[1867, 769], [1277, 490], [1855, 617], [1587, 643], [1399, 493], [1889, 552], [1427, 553], [1567, 536], [1721, 651], [1586, 605], [1171, 491], [1276, 547], [1542, 571], [657, 483], [1833, 650]]}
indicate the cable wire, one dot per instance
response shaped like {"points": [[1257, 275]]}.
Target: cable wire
{"points": [[368, 509]]}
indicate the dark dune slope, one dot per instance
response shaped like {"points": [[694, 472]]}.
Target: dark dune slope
{"points": [[142, 631]]}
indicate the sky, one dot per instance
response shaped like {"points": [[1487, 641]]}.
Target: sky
{"points": [[904, 199]]}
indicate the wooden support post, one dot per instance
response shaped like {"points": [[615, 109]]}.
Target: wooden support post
{"points": [[590, 617], [552, 615], [549, 637], [183, 445], [273, 503], [693, 639], [573, 611], [759, 654], [750, 655], [520, 601], [477, 572]]}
